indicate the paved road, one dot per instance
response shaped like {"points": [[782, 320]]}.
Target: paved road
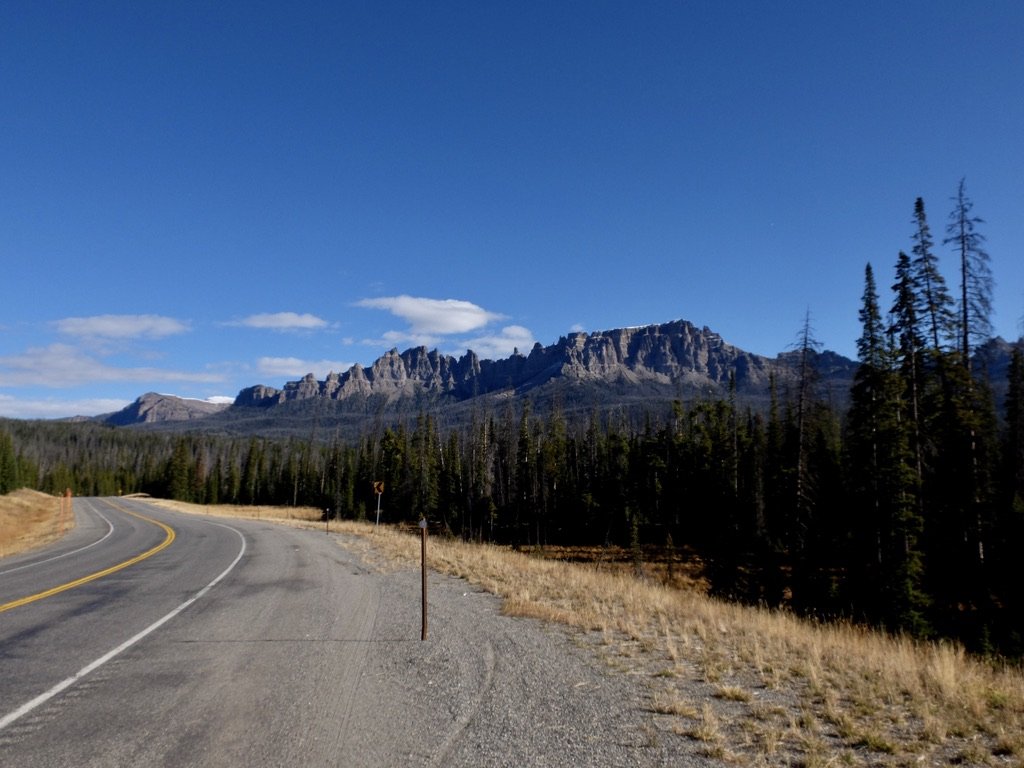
{"points": [[239, 643]]}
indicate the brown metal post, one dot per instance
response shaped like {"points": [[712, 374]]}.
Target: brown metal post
{"points": [[423, 559]]}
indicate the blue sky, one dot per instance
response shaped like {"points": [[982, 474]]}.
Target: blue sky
{"points": [[199, 197]]}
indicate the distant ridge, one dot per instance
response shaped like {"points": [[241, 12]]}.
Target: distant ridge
{"points": [[627, 370], [677, 357]]}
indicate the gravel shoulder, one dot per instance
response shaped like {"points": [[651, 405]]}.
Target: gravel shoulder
{"points": [[488, 690]]}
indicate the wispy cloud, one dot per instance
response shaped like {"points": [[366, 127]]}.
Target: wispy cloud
{"points": [[121, 326], [293, 367], [433, 317], [62, 366], [433, 322], [282, 321]]}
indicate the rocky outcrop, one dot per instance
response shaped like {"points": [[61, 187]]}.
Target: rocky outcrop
{"points": [[677, 356], [629, 372]]}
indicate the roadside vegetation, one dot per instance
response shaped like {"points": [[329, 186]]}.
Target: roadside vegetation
{"points": [[749, 686], [30, 519]]}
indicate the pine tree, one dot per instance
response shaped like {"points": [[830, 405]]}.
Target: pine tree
{"points": [[424, 456], [179, 481], [970, 405], [392, 470], [553, 470], [525, 476], [975, 306], [888, 525], [253, 476], [1013, 450], [905, 330], [1010, 519], [934, 302], [863, 424], [803, 493], [8, 464], [451, 484]]}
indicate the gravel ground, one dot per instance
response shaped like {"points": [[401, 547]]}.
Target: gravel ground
{"points": [[489, 690]]}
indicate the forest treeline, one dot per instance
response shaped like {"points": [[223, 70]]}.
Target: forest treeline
{"points": [[905, 511]]}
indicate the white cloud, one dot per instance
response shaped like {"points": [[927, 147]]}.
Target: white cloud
{"points": [[283, 321], [293, 367], [17, 408], [430, 317], [430, 320], [577, 328], [121, 326], [500, 346], [62, 366]]}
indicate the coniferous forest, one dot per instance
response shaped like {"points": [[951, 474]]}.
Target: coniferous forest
{"points": [[904, 510]]}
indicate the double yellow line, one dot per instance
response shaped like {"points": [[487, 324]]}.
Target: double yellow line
{"points": [[106, 571]]}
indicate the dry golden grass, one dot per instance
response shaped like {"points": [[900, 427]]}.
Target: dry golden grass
{"points": [[30, 519], [838, 694], [276, 514], [772, 688]]}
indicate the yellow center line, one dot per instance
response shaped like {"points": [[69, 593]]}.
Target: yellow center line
{"points": [[106, 571]]}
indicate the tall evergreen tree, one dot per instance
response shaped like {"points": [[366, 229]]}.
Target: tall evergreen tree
{"points": [[803, 493], [905, 330], [525, 476], [975, 305], [888, 563], [179, 481], [554, 483], [935, 306], [253, 474], [1013, 451], [392, 470], [1010, 520], [424, 455]]}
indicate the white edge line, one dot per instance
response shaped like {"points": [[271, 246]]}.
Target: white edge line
{"points": [[62, 686], [110, 530]]}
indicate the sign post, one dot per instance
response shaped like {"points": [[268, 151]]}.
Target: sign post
{"points": [[378, 488], [423, 559]]}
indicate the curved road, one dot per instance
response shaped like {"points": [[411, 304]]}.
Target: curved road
{"points": [[152, 638]]}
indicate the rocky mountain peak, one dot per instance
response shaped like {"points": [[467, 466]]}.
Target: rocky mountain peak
{"points": [[677, 357]]}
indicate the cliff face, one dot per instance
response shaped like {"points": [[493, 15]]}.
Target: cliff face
{"points": [[677, 356]]}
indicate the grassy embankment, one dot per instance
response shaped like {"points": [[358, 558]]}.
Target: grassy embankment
{"points": [[30, 519], [752, 686]]}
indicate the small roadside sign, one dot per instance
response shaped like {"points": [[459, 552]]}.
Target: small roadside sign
{"points": [[378, 488]]}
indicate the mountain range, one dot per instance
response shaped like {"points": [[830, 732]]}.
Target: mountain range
{"points": [[627, 370], [630, 372]]}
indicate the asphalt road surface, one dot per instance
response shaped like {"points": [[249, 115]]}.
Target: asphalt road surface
{"points": [[151, 638]]}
